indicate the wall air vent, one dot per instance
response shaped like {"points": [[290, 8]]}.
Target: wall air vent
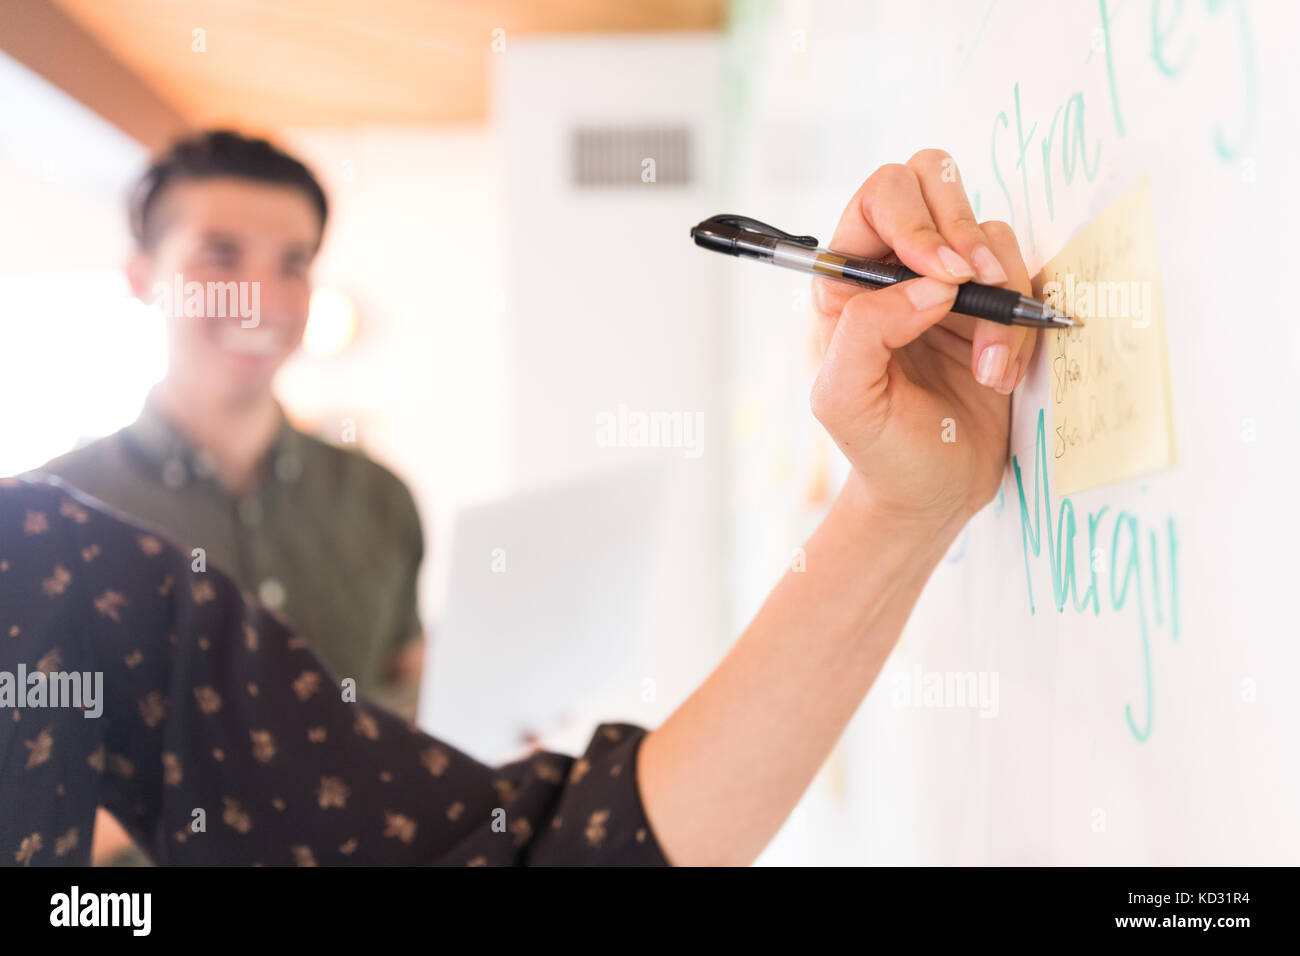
{"points": [[604, 156]]}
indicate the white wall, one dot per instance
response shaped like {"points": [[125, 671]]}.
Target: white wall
{"points": [[414, 239], [610, 303]]}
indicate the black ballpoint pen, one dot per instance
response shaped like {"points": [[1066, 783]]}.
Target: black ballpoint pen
{"points": [[742, 236]]}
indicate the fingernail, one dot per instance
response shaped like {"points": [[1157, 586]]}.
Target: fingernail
{"points": [[925, 293], [1009, 380], [957, 267], [993, 365], [987, 267]]}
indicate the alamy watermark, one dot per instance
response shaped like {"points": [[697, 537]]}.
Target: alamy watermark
{"points": [[1085, 299], [53, 689], [946, 689], [629, 428], [210, 300], [132, 911]]}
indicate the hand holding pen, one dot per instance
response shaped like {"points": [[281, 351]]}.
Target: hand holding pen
{"points": [[914, 393]]}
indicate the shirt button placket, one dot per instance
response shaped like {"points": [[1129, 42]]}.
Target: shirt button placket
{"points": [[205, 466], [174, 474], [288, 467], [250, 512]]}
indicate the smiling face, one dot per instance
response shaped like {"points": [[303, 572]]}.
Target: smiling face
{"points": [[223, 230]]}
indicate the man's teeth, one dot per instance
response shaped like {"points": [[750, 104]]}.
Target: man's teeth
{"points": [[249, 341]]}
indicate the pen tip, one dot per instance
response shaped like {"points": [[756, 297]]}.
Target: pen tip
{"points": [[1059, 316], [1043, 315]]}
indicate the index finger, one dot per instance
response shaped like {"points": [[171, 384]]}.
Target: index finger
{"points": [[888, 213]]}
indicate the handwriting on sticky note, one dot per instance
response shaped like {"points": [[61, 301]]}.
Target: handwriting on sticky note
{"points": [[1109, 379]]}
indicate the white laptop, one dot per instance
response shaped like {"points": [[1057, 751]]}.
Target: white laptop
{"points": [[544, 599]]}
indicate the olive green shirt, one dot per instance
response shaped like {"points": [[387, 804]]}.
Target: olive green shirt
{"points": [[329, 539]]}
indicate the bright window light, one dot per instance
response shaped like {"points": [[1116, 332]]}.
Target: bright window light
{"points": [[331, 323], [78, 354]]}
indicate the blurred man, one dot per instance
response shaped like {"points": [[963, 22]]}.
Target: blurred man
{"points": [[226, 229]]}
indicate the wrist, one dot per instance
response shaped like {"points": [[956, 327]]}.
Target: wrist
{"points": [[937, 526]]}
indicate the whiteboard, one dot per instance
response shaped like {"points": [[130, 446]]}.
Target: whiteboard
{"points": [[1161, 727]]}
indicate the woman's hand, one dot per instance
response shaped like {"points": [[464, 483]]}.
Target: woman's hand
{"points": [[899, 378], [916, 397]]}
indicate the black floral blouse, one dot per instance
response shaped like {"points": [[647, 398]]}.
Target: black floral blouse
{"points": [[221, 739]]}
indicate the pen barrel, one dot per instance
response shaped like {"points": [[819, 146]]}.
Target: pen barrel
{"points": [[986, 302], [981, 301]]}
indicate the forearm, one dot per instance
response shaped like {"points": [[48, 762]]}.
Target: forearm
{"points": [[723, 773]]}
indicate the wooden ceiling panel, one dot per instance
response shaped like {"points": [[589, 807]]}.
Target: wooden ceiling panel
{"points": [[268, 64]]}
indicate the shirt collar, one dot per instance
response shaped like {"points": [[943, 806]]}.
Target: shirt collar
{"points": [[169, 449]]}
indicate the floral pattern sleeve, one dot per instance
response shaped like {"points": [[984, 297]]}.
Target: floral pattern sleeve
{"points": [[221, 739]]}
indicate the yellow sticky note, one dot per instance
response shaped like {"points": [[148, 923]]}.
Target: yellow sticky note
{"points": [[1108, 381]]}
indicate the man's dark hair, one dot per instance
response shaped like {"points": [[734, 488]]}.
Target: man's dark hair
{"points": [[214, 153]]}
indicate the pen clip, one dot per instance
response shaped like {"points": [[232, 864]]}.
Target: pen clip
{"points": [[746, 224]]}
